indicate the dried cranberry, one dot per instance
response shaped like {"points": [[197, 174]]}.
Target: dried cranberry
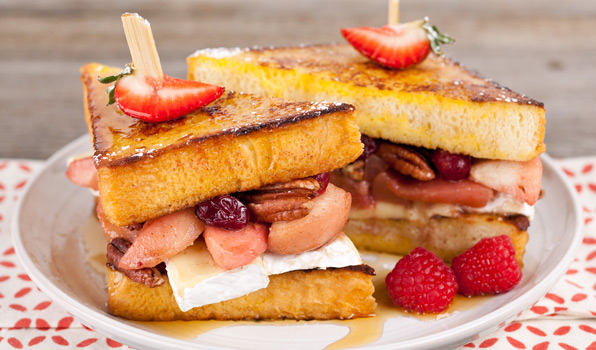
{"points": [[451, 166], [225, 211], [323, 180], [370, 146]]}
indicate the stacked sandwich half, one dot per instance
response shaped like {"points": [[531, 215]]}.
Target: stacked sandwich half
{"points": [[227, 211], [450, 157]]}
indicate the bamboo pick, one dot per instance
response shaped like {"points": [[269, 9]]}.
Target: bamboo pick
{"points": [[142, 45], [393, 12]]}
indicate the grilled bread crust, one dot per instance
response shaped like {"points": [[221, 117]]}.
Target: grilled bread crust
{"points": [[436, 104], [447, 237], [237, 143], [341, 293]]}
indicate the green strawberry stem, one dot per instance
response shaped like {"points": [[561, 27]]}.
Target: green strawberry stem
{"points": [[114, 79], [435, 37]]}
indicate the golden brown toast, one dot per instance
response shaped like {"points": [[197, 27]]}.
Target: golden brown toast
{"points": [[237, 143], [436, 104], [446, 237], [341, 293]]}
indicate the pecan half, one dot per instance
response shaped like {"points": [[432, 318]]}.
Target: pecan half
{"points": [[151, 277], [306, 188], [282, 209], [406, 161], [281, 202], [305, 185]]}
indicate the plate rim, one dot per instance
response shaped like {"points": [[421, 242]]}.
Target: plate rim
{"points": [[91, 317]]}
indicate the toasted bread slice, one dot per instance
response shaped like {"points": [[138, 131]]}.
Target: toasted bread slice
{"points": [[437, 104], [341, 293], [447, 237], [237, 143]]}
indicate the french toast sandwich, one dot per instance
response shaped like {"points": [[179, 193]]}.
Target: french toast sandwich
{"points": [[437, 109], [232, 195], [437, 104], [239, 143]]}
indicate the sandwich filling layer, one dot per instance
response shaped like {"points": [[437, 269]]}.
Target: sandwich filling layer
{"points": [[396, 181], [213, 252], [500, 204]]}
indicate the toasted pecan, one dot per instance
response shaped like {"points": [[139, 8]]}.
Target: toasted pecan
{"points": [[305, 184], [282, 209], [282, 202], [151, 277], [406, 161]]}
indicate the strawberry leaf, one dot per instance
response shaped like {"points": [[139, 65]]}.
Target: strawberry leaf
{"points": [[114, 79], [108, 79], [110, 92], [435, 37]]}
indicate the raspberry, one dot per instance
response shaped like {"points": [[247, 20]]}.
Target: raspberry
{"points": [[489, 267], [421, 282]]}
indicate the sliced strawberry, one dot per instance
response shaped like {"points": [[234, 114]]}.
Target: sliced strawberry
{"points": [[145, 98], [396, 46]]}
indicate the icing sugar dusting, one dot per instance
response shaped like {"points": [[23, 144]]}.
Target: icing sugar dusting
{"points": [[219, 52]]}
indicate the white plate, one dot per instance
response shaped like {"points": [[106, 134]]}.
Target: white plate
{"points": [[46, 230]]}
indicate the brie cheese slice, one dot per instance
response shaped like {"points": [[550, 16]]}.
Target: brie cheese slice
{"points": [[338, 253], [196, 280]]}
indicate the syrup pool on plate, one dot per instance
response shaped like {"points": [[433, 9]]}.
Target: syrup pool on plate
{"points": [[361, 331]]}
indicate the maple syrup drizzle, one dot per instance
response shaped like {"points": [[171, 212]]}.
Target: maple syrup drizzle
{"points": [[362, 331], [95, 244]]}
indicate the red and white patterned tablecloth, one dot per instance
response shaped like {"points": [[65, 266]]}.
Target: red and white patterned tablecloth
{"points": [[564, 319]]}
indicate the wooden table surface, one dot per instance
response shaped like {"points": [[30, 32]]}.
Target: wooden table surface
{"points": [[545, 49]]}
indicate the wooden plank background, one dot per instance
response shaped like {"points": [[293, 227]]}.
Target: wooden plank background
{"points": [[545, 49]]}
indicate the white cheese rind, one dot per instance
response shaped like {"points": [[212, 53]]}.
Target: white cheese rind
{"points": [[505, 204], [196, 280], [338, 253]]}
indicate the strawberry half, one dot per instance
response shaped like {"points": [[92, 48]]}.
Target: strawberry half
{"points": [[397, 46], [145, 98]]}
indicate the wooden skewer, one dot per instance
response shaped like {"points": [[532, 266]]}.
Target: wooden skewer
{"points": [[142, 45], [393, 12]]}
